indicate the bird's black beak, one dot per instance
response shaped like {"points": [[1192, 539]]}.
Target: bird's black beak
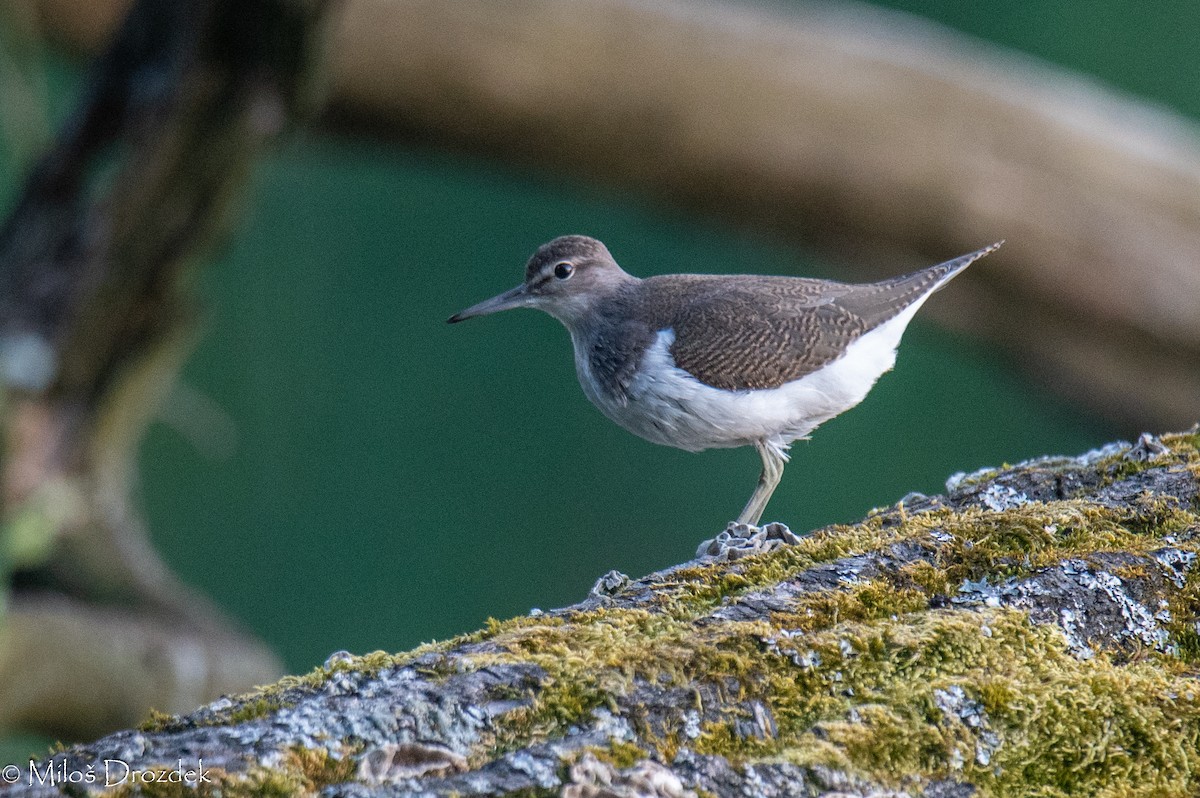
{"points": [[514, 298]]}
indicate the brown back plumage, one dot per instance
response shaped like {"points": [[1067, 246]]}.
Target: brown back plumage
{"points": [[750, 332]]}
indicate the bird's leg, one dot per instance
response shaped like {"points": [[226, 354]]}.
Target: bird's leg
{"points": [[773, 460]]}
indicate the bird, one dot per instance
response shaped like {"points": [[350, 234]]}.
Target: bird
{"points": [[702, 361]]}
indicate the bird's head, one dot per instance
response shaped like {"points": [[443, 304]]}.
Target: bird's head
{"points": [[564, 277]]}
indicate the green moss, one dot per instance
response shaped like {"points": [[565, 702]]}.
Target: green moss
{"points": [[258, 708], [318, 768], [1183, 625], [587, 659], [722, 737], [927, 578], [1183, 449], [246, 708], [368, 664], [1063, 726], [619, 754], [157, 721]]}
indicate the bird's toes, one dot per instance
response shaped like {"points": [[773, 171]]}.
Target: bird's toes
{"points": [[742, 540]]}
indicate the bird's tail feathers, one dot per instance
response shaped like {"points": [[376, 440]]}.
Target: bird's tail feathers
{"points": [[951, 268]]}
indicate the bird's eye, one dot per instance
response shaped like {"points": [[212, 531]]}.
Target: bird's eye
{"points": [[563, 270]]}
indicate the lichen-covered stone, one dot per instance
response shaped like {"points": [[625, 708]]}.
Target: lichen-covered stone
{"points": [[1035, 631]]}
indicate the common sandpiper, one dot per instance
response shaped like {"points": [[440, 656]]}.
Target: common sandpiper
{"points": [[700, 361]]}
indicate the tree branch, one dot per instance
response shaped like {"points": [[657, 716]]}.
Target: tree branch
{"points": [[95, 320], [1033, 631]]}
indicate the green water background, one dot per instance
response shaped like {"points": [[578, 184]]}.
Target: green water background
{"points": [[395, 480]]}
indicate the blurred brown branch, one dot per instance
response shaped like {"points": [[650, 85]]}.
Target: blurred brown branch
{"points": [[94, 323]]}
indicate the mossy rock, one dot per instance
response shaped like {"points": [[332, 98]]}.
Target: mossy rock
{"points": [[1035, 631]]}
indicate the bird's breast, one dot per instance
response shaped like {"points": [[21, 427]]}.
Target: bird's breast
{"points": [[665, 404]]}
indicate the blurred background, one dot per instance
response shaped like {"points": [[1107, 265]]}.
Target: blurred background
{"points": [[336, 468]]}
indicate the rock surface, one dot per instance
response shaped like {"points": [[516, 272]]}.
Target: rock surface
{"points": [[1032, 631]]}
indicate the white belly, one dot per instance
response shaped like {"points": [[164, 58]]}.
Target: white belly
{"points": [[667, 405]]}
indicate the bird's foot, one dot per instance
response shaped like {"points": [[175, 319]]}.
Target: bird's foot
{"points": [[742, 540], [609, 585]]}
